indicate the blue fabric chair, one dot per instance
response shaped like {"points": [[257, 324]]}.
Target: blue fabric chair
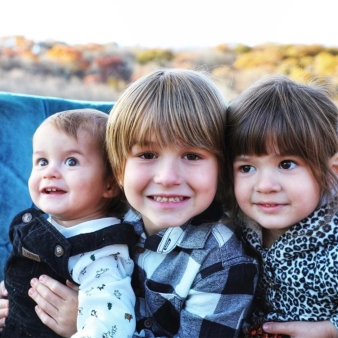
{"points": [[20, 115]]}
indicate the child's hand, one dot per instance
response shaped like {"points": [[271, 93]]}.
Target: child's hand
{"points": [[56, 304], [3, 305], [324, 329]]}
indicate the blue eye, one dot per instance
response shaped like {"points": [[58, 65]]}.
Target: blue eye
{"points": [[287, 165], [71, 161], [246, 168], [42, 162]]}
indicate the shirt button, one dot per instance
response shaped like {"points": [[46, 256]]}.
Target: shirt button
{"points": [[59, 251], [148, 323], [140, 250], [27, 217]]}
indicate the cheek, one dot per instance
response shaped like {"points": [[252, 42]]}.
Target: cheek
{"points": [[33, 187], [32, 182], [310, 198], [132, 183], [238, 189], [242, 194]]}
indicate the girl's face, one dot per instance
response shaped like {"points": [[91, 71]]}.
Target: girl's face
{"points": [[169, 185], [275, 191], [67, 179]]}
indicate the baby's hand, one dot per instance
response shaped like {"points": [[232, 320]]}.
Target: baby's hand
{"points": [[3, 305]]}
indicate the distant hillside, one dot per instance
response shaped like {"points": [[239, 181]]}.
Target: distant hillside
{"points": [[101, 72]]}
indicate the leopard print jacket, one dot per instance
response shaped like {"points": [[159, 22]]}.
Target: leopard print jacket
{"points": [[299, 277]]}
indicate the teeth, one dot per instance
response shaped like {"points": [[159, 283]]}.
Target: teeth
{"points": [[167, 199], [51, 189]]}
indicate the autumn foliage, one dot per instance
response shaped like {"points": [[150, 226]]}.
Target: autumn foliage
{"points": [[108, 69]]}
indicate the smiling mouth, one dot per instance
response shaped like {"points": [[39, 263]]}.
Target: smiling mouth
{"points": [[162, 199], [52, 190], [270, 205]]}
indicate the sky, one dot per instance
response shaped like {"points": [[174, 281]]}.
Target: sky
{"points": [[172, 23]]}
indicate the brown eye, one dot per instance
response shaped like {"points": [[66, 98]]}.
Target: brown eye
{"points": [[148, 156], [192, 157], [287, 165], [246, 168]]}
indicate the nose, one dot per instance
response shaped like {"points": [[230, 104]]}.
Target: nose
{"points": [[51, 171], [168, 172], [267, 182]]}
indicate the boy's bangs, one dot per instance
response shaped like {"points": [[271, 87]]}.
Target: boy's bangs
{"points": [[168, 126]]}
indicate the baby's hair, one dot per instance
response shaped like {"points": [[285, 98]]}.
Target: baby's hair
{"points": [[277, 113], [174, 106], [94, 122]]}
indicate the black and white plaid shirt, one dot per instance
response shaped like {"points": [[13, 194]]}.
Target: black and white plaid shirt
{"points": [[195, 280]]}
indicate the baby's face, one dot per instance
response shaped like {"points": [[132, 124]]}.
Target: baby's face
{"points": [[67, 179]]}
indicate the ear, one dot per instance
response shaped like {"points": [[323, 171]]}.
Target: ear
{"points": [[333, 162], [112, 189]]}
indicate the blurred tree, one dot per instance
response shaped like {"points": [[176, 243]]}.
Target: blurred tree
{"points": [[240, 49], [325, 64], [157, 55]]}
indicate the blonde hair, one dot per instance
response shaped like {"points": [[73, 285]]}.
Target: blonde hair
{"points": [[176, 106], [295, 119], [94, 122]]}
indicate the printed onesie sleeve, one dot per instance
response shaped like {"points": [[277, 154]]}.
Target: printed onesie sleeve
{"points": [[106, 298]]}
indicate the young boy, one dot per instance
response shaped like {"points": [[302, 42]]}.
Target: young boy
{"points": [[82, 240], [193, 277]]}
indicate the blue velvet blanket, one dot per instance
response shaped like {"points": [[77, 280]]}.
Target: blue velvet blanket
{"points": [[20, 115]]}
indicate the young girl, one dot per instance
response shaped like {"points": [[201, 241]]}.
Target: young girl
{"points": [[282, 139], [82, 239], [192, 276]]}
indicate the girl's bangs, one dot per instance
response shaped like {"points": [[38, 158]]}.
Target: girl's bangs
{"points": [[269, 136]]}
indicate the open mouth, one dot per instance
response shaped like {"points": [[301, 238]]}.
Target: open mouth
{"points": [[162, 199], [52, 190]]}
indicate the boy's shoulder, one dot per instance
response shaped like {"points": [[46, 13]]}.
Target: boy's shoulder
{"points": [[198, 236]]}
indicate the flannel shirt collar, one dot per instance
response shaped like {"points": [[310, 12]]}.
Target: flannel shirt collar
{"points": [[184, 236]]}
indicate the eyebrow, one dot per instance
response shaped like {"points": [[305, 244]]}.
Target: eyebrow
{"points": [[70, 151], [146, 143], [241, 157]]}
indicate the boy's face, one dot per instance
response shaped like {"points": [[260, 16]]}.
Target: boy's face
{"points": [[169, 185], [68, 176], [275, 191]]}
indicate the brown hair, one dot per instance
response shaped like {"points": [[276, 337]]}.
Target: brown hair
{"points": [[296, 119], [177, 106]]}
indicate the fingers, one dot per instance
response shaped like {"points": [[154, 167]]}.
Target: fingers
{"points": [[3, 291], [3, 312], [3, 305], [320, 329], [72, 286], [52, 287], [46, 301], [56, 304], [46, 319], [273, 327]]}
